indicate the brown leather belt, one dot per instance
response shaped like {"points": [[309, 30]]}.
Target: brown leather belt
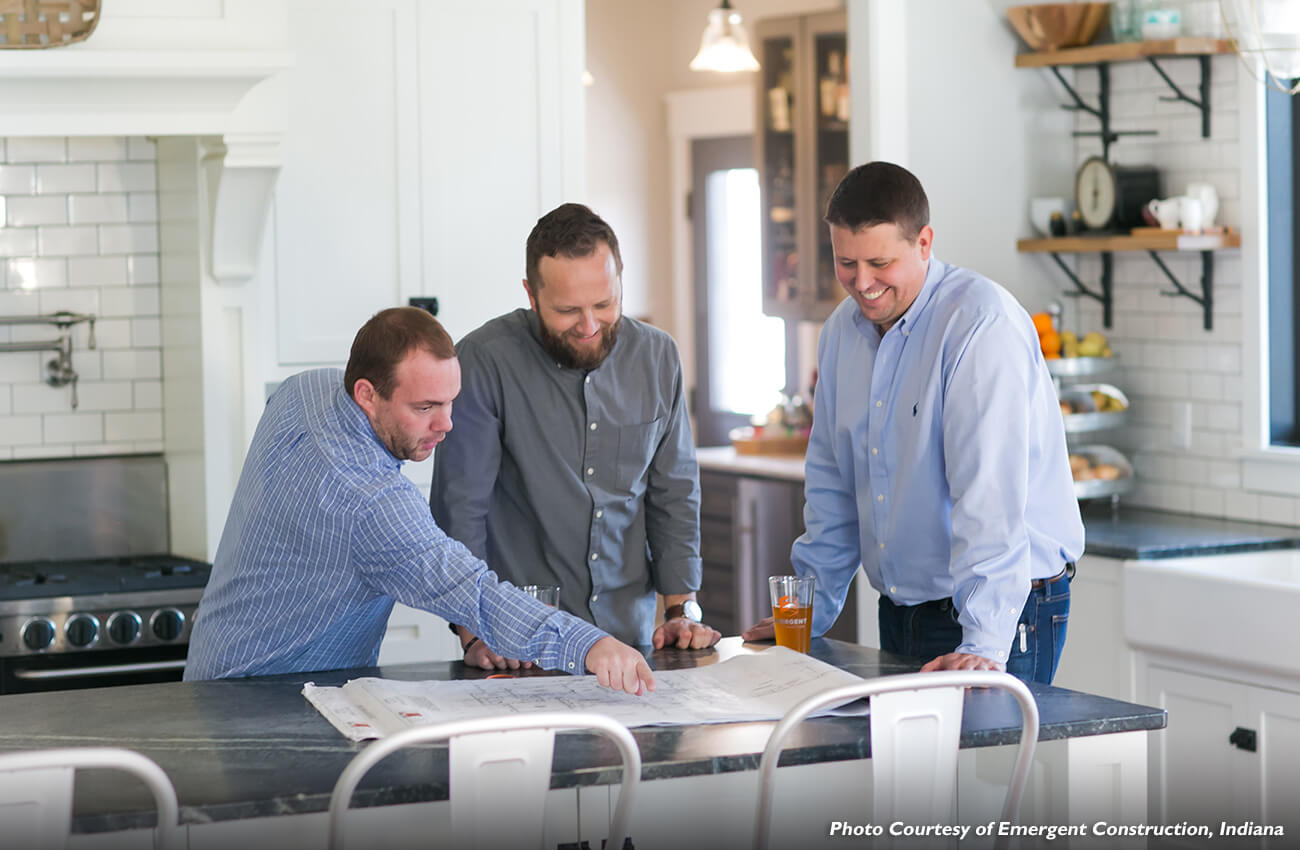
{"points": [[1067, 570]]}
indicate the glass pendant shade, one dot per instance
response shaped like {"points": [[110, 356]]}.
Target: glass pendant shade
{"points": [[724, 45], [1267, 33]]}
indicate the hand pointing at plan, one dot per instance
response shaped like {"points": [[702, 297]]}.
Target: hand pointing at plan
{"points": [[620, 667]]}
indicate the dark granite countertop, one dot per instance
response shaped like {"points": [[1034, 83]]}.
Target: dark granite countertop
{"points": [[248, 748], [1142, 534]]}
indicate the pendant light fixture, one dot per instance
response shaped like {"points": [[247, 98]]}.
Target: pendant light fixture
{"points": [[724, 46], [1267, 35]]}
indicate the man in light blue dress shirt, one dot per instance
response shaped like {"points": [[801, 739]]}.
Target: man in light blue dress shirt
{"points": [[325, 532], [937, 458]]}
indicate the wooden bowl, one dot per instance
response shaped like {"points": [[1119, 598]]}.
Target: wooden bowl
{"points": [[1051, 26]]}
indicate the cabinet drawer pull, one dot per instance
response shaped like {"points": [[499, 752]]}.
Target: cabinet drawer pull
{"points": [[1243, 739]]}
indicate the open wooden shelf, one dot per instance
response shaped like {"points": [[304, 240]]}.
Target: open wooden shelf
{"points": [[1168, 240], [1124, 51]]}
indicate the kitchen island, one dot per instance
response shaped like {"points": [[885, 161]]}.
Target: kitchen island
{"points": [[254, 763]]}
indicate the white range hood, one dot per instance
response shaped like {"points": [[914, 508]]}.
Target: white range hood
{"points": [[200, 76]]}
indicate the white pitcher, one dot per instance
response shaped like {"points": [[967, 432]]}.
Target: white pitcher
{"points": [[1209, 198], [1168, 212]]}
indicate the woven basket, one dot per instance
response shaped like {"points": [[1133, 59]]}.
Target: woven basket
{"points": [[46, 23]]}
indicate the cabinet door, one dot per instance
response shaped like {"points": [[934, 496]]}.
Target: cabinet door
{"points": [[1096, 658], [501, 143], [1195, 774], [346, 217], [780, 99], [802, 152], [718, 594]]}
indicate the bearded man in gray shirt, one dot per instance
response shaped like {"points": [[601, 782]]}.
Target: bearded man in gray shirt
{"points": [[572, 461]]}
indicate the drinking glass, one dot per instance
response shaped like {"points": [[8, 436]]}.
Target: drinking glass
{"points": [[547, 594], [792, 602]]}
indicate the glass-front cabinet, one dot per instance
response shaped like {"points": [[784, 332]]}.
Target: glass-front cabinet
{"points": [[802, 152]]}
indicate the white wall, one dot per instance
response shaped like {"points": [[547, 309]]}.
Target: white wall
{"points": [[79, 232]]}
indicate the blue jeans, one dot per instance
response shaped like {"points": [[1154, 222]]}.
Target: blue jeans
{"points": [[931, 629]]}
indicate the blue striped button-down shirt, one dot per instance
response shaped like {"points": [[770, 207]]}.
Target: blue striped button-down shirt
{"points": [[938, 460], [324, 533]]}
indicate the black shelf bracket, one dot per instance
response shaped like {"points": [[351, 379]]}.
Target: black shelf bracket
{"points": [[1206, 298], [1203, 104], [1105, 297], [1101, 111]]}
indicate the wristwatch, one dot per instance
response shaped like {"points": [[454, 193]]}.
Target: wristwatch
{"points": [[690, 609]]}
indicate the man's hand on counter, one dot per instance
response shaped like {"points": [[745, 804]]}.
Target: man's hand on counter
{"points": [[762, 630], [685, 634], [963, 661], [620, 667]]}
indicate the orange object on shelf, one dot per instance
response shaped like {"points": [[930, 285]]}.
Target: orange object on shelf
{"points": [[1043, 323], [1050, 342]]}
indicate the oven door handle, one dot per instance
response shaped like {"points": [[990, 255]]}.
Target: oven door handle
{"points": [[105, 670]]}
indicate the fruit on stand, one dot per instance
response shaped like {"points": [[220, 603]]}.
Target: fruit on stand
{"points": [[1067, 343], [1082, 468]]}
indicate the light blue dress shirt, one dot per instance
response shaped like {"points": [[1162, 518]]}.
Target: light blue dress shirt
{"points": [[324, 533], [938, 460]]}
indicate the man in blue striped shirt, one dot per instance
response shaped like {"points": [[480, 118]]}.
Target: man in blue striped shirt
{"points": [[325, 532], [937, 458]]}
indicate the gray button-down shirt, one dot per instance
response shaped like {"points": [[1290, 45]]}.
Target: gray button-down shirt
{"points": [[583, 479]]}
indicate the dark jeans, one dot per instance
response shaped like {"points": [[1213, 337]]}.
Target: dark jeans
{"points": [[931, 629]]}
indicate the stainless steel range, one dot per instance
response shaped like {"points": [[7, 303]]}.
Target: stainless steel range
{"points": [[90, 603]]}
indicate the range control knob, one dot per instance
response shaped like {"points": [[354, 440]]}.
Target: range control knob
{"points": [[124, 627], [81, 630], [38, 634], [167, 624]]}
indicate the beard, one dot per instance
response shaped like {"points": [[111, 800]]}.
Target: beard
{"points": [[563, 352]]}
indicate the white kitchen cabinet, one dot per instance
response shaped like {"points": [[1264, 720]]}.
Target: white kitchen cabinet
{"points": [[422, 142], [1199, 775], [1096, 658], [414, 635]]}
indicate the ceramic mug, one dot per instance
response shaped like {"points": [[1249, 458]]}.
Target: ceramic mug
{"points": [[1040, 213], [1191, 215], [1209, 198], [1168, 212]]}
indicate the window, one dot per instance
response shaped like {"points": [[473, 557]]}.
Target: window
{"points": [[1282, 121]]}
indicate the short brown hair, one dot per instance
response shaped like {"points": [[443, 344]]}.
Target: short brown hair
{"points": [[386, 339], [880, 193], [571, 231]]}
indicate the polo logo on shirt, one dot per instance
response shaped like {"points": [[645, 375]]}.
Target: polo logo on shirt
{"points": [[914, 408]]}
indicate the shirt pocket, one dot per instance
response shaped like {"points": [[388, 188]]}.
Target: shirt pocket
{"points": [[636, 448]]}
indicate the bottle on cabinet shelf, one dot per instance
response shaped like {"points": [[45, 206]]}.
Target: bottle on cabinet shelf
{"points": [[829, 87]]}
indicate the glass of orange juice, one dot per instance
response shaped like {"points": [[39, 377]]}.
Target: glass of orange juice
{"points": [[792, 601]]}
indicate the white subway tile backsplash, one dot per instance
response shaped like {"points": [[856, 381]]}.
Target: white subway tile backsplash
{"points": [[42, 451], [148, 395], [20, 366], [67, 241], [142, 207], [74, 427], [38, 209], [105, 395], [128, 239], [70, 300], [118, 301], [127, 177], [6, 407], [17, 179], [64, 179], [146, 333], [113, 333], [17, 242], [1277, 509], [31, 273], [20, 430], [144, 425], [140, 148], [132, 363], [42, 149], [97, 148], [97, 271], [40, 398], [1208, 501], [97, 209], [142, 269]]}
